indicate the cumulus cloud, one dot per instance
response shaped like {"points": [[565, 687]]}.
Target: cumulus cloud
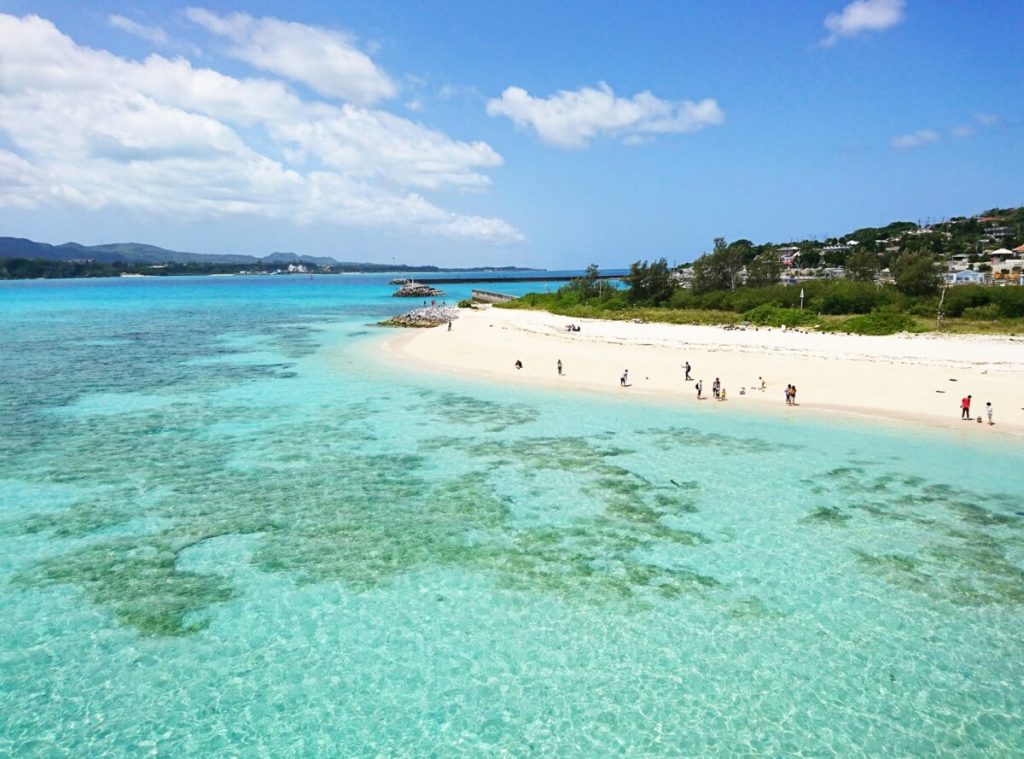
{"points": [[914, 139], [325, 60], [90, 129], [572, 119], [863, 16]]}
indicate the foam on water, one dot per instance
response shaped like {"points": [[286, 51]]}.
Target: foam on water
{"points": [[224, 530]]}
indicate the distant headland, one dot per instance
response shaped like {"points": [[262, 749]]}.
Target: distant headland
{"points": [[26, 259]]}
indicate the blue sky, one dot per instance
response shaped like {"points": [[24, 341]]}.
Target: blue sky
{"points": [[530, 133]]}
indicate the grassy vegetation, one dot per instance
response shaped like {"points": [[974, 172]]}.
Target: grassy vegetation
{"points": [[830, 306]]}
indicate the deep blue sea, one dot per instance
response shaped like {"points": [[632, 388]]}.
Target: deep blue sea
{"points": [[227, 530]]}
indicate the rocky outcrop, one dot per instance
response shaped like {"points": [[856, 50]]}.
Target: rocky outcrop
{"points": [[428, 316], [413, 290]]}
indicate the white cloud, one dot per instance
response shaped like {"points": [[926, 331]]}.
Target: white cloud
{"points": [[863, 16], [153, 34], [92, 130], [914, 139], [326, 60], [980, 121], [571, 119]]}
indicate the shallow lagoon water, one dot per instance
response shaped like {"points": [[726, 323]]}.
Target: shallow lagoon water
{"points": [[225, 530]]}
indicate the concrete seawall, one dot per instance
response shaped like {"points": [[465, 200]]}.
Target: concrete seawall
{"points": [[483, 296]]}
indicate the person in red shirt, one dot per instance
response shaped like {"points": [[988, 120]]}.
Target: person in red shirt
{"points": [[965, 408]]}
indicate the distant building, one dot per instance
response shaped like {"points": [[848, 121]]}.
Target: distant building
{"points": [[999, 233], [966, 277], [789, 255], [998, 255], [842, 247]]}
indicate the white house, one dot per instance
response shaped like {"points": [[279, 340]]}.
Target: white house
{"points": [[966, 277]]}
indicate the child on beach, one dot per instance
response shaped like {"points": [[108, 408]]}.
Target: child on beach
{"points": [[624, 378], [988, 412]]}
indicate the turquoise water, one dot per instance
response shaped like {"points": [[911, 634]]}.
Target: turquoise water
{"points": [[225, 530]]}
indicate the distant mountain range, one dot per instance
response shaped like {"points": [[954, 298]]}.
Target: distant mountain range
{"points": [[139, 253]]}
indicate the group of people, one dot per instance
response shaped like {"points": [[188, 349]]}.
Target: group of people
{"points": [[965, 409], [719, 393]]}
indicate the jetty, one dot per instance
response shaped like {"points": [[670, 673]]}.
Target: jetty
{"points": [[475, 280]]}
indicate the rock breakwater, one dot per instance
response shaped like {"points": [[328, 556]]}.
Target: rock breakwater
{"points": [[427, 316], [413, 290]]}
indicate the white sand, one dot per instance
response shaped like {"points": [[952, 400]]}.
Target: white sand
{"points": [[899, 378]]}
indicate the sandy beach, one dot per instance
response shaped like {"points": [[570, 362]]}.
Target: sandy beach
{"points": [[899, 378]]}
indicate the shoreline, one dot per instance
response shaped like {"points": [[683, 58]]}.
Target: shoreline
{"points": [[896, 379]]}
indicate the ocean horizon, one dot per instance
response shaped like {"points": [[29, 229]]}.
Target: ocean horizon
{"points": [[226, 528]]}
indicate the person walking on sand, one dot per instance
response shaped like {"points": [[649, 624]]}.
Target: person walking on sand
{"points": [[965, 408], [988, 412], [449, 325], [559, 365], [686, 367], [624, 378]]}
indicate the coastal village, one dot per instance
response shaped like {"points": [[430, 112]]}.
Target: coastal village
{"points": [[985, 249]]}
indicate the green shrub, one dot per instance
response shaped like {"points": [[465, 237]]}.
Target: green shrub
{"points": [[770, 315], [876, 323], [617, 303], [1010, 301], [467, 303], [987, 313], [958, 299], [849, 297]]}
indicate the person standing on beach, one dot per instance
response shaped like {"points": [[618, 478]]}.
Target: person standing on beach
{"points": [[686, 366], [965, 408], [449, 325], [624, 378], [559, 365], [700, 387], [792, 393], [716, 386], [988, 412]]}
